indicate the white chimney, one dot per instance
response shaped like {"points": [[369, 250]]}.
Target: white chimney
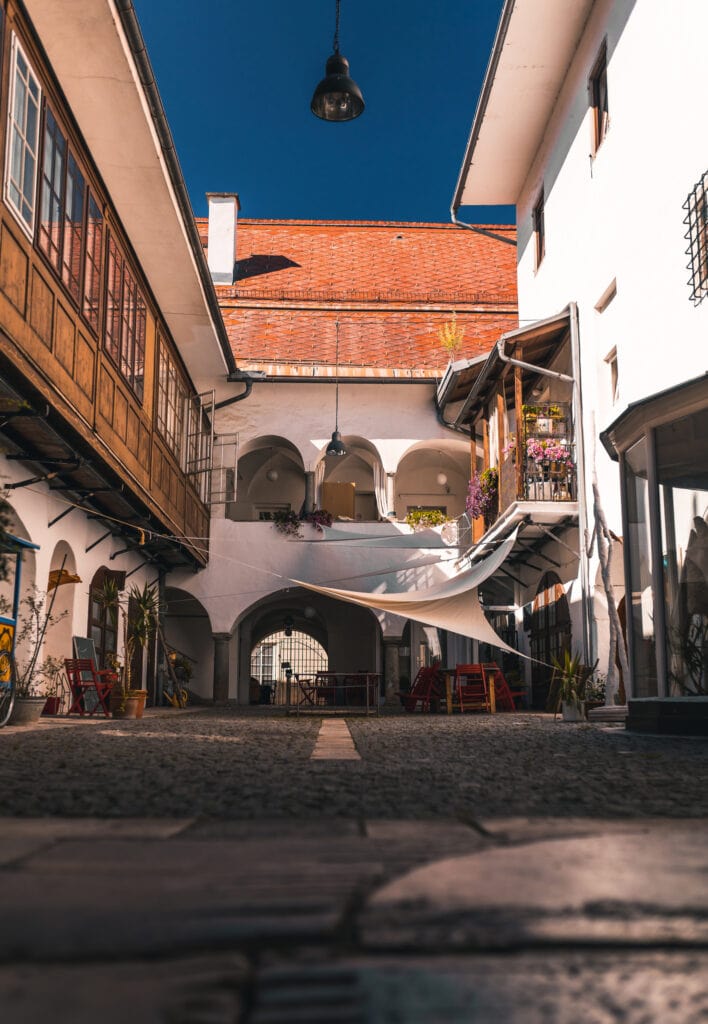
{"points": [[221, 242]]}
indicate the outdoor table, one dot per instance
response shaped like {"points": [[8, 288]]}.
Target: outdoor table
{"points": [[345, 689]]}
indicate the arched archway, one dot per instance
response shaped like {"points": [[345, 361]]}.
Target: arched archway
{"points": [[16, 527], [433, 474], [352, 486], [270, 476], [103, 621], [550, 634], [349, 635], [282, 656], [63, 579], [187, 630]]}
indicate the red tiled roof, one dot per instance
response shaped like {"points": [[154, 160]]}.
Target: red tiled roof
{"points": [[391, 285]]}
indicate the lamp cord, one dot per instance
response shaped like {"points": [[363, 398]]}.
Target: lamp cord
{"points": [[336, 31], [336, 366]]}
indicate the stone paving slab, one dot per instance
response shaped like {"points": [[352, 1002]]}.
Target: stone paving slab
{"points": [[644, 886], [106, 895], [528, 988], [592, 987], [205, 989]]}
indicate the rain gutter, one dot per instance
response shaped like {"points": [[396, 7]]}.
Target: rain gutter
{"points": [[489, 77]]}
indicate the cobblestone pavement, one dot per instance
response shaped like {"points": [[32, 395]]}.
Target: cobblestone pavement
{"points": [[200, 867], [249, 764]]}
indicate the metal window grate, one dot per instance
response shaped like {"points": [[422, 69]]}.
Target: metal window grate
{"points": [[696, 220]]}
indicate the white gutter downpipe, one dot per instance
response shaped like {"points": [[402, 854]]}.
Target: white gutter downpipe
{"points": [[501, 346], [480, 231], [588, 648]]}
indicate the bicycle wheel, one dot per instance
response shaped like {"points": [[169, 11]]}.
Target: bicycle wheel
{"points": [[7, 686]]}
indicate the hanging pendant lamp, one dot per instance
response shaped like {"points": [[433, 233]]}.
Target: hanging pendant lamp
{"points": [[336, 445], [337, 97]]}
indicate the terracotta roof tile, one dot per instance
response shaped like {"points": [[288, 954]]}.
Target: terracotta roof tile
{"points": [[391, 285]]}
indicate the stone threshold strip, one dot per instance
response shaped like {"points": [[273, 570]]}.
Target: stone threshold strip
{"points": [[334, 742]]}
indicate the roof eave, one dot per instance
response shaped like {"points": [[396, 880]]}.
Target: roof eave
{"points": [[525, 74], [111, 82]]}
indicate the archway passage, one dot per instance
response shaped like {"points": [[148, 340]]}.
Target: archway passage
{"points": [[348, 637], [550, 635], [278, 660]]}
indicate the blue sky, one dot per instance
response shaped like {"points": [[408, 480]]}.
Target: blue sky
{"points": [[236, 78]]}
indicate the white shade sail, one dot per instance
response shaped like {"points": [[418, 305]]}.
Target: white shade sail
{"points": [[452, 605], [418, 539]]}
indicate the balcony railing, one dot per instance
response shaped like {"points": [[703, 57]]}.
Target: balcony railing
{"points": [[547, 480]]}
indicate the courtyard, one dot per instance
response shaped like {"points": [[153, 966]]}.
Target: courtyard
{"points": [[204, 867]]}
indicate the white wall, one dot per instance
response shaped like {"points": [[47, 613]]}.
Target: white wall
{"points": [[393, 417], [36, 506], [619, 215]]}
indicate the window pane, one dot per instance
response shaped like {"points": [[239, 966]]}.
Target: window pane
{"points": [[23, 131], [73, 227], [49, 235], [92, 263]]}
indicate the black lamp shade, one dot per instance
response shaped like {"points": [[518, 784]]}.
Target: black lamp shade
{"points": [[336, 445], [337, 97]]}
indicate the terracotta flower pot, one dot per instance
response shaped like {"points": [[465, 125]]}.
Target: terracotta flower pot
{"points": [[131, 706]]}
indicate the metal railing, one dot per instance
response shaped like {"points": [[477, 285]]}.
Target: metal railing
{"points": [[343, 692]]}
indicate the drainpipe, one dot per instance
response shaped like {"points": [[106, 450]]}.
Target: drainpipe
{"points": [[247, 377], [588, 648], [481, 231], [450, 426], [501, 346]]}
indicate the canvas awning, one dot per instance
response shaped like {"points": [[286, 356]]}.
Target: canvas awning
{"points": [[452, 605], [424, 539]]}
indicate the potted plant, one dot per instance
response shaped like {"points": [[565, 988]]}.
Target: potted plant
{"points": [[289, 522], [482, 494], [530, 414], [424, 518], [568, 684], [35, 679], [138, 609]]}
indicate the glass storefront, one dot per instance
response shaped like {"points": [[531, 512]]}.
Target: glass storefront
{"points": [[641, 608], [682, 475]]}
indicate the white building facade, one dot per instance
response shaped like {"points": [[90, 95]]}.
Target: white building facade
{"points": [[587, 124]]}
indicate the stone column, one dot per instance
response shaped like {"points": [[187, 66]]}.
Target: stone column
{"points": [[390, 494], [392, 678], [243, 663], [222, 642], [309, 490]]}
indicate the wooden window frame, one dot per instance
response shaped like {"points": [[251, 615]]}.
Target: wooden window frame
{"points": [[92, 264], [102, 627], [52, 190], [65, 229], [125, 319], [62, 206], [599, 101], [539, 228], [613, 366], [17, 131], [74, 231], [172, 394]]}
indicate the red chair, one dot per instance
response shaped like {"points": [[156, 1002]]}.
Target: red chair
{"points": [[505, 697], [90, 688], [471, 690], [428, 688]]}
